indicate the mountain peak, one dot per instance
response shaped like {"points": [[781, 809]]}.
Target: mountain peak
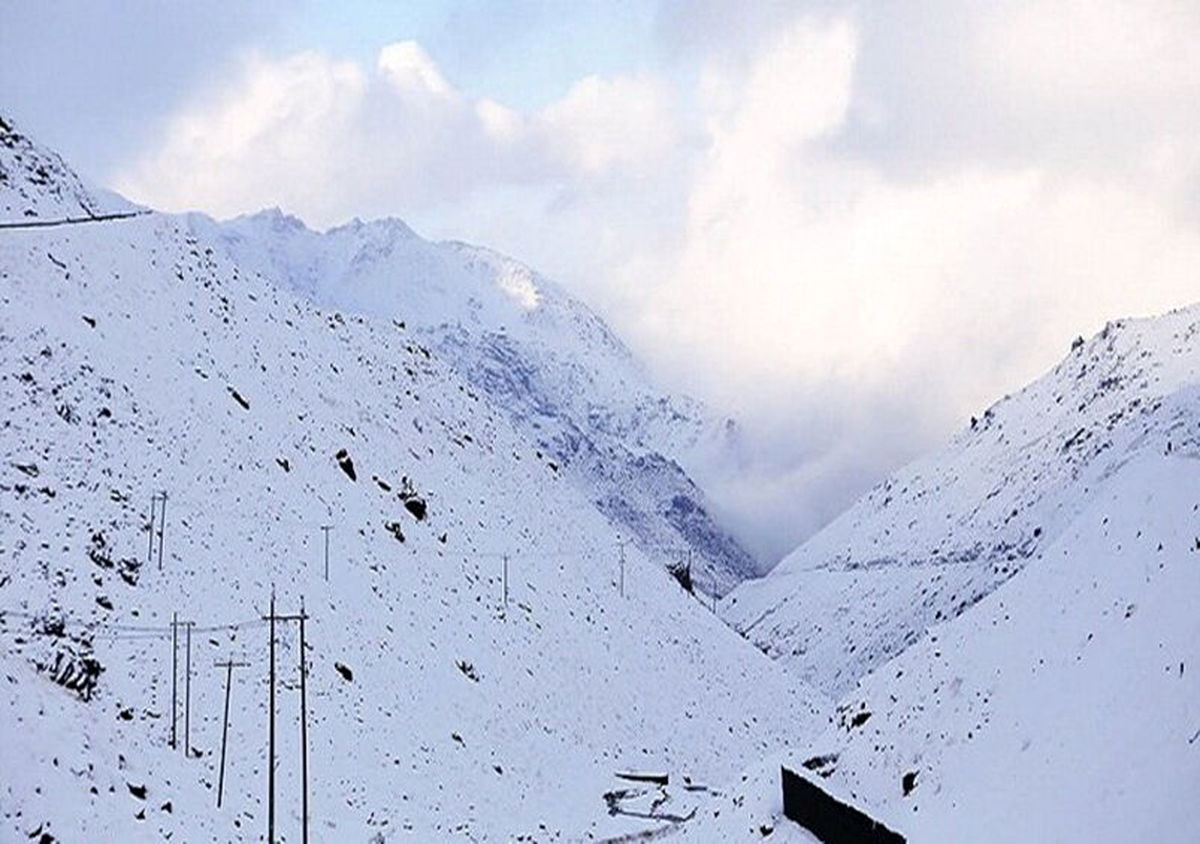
{"points": [[277, 219], [389, 227]]}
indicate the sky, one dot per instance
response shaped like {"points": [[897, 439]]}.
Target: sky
{"points": [[848, 225]]}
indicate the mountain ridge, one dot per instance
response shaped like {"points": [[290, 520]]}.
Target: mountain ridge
{"points": [[567, 381]]}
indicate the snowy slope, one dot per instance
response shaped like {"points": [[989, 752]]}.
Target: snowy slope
{"points": [[930, 542], [1048, 690], [1065, 706], [564, 379], [135, 357], [37, 185]]}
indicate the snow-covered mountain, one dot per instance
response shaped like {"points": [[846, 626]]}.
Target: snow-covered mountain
{"points": [[931, 541], [475, 671], [1063, 707], [565, 380], [1010, 623]]}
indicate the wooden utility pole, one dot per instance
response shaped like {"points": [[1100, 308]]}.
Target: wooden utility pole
{"points": [[228, 665], [301, 617], [271, 736], [303, 724], [150, 548], [162, 526], [326, 529], [174, 672], [187, 690]]}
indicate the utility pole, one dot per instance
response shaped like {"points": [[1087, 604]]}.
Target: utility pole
{"points": [[153, 507], [187, 690], [326, 529], [303, 724], [505, 585], [228, 665], [162, 526], [271, 737], [174, 672], [301, 617]]}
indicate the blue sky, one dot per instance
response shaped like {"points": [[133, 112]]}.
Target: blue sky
{"points": [[851, 225], [525, 53]]}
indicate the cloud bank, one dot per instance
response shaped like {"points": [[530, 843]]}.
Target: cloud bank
{"points": [[850, 226]]}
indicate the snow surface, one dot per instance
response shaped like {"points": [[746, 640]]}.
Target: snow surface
{"points": [[136, 357], [565, 380]]}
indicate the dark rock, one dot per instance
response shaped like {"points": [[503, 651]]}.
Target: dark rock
{"points": [[417, 507], [394, 529], [343, 459]]}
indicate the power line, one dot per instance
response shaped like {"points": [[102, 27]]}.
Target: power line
{"points": [[150, 631], [71, 221]]}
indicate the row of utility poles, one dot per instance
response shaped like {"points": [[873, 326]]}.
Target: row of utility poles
{"points": [[620, 583], [272, 618], [158, 504], [157, 520], [157, 530]]}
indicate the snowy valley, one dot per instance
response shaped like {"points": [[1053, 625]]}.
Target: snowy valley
{"points": [[998, 643]]}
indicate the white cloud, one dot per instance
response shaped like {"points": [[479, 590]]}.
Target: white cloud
{"points": [[602, 123], [851, 315], [855, 229], [1086, 53], [408, 68], [329, 139]]}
